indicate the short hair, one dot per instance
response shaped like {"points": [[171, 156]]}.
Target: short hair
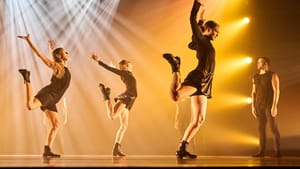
{"points": [[211, 24], [265, 58], [55, 52], [123, 62]]}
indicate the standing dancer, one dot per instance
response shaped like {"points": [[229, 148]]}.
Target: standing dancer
{"points": [[124, 101], [265, 96], [49, 95], [198, 83]]}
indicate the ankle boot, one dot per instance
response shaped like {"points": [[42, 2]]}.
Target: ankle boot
{"points": [[25, 74], [174, 61], [117, 151], [49, 153], [105, 91], [182, 153]]}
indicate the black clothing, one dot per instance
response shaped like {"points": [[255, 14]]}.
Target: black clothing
{"points": [[202, 76], [263, 103], [192, 45], [128, 97], [264, 90], [52, 93]]}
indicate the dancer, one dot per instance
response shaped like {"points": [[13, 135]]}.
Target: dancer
{"points": [[265, 96], [123, 102], [198, 83], [49, 95]]}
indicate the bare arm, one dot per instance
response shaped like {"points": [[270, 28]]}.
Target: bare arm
{"points": [[47, 61], [253, 95], [276, 91]]}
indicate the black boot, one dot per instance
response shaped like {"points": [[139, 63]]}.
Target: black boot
{"points": [[48, 152], [174, 61], [182, 153], [105, 91], [25, 74], [117, 151]]}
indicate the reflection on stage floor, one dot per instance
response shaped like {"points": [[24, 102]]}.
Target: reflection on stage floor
{"points": [[143, 161]]}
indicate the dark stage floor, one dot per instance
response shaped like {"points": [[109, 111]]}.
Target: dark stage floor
{"points": [[144, 161]]}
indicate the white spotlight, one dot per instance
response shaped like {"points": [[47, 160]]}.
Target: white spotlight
{"points": [[249, 100], [248, 60], [246, 20]]}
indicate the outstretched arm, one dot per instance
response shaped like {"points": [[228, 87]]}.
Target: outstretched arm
{"points": [[276, 91], [47, 61], [95, 57]]}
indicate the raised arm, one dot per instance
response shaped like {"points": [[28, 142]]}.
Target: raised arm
{"points": [[276, 91], [193, 19], [47, 61], [95, 57]]}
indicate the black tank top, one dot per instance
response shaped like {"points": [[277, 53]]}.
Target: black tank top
{"points": [[59, 86], [264, 89]]}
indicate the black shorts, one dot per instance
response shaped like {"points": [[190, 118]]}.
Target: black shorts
{"points": [[126, 99], [48, 100], [203, 85]]}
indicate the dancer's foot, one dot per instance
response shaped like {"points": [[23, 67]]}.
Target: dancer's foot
{"points": [[48, 153], [25, 74], [117, 151], [105, 91], [174, 61], [185, 154]]}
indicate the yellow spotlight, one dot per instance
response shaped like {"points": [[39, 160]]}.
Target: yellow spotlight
{"points": [[248, 60], [244, 138], [249, 100], [246, 20]]}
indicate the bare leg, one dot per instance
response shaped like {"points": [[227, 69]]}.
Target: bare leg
{"points": [[109, 108], [120, 133], [53, 117], [31, 101], [175, 85], [52, 133], [198, 105], [116, 110], [123, 126]]}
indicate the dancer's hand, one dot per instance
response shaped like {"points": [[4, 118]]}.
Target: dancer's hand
{"points": [[94, 56], [253, 111], [51, 45], [27, 37], [201, 15], [274, 111]]}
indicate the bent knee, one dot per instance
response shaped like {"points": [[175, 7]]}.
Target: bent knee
{"points": [[198, 122], [56, 125]]}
